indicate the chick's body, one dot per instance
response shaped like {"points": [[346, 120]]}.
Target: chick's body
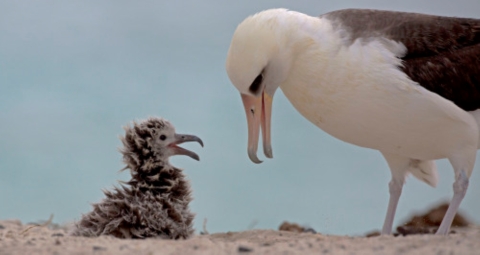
{"points": [[155, 202]]}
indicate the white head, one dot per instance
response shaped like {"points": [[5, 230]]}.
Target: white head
{"points": [[258, 61]]}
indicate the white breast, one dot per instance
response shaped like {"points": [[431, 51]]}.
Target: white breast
{"points": [[358, 94]]}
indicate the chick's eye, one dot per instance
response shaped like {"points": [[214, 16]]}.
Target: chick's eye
{"points": [[163, 137]]}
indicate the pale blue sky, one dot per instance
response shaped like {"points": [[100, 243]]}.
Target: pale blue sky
{"points": [[73, 73]]}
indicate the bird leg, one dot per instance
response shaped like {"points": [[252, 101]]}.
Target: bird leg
{"points": [[395, 187], [398, 167], [460, 187]]}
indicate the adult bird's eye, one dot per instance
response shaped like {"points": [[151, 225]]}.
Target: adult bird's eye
{"points": [[163, 137], [256, 84]]}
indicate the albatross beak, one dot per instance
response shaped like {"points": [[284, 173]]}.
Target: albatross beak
{"points": [[259, 112], [180, 138]]}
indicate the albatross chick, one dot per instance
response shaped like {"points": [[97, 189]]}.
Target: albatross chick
{"points": [[154, 203]]}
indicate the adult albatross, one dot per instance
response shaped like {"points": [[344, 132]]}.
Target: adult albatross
{"points": [[405, 84]]}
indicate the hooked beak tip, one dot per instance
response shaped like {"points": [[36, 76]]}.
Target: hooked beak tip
{"points": [[268, 152], [253, 157]]}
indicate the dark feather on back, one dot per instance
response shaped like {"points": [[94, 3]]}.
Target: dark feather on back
{"points": [[443, 53]]}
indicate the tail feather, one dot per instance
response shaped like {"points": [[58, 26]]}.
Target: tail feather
{"points": [[425, 171]]}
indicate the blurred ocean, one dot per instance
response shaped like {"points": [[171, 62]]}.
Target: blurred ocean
{"points": [[72, 73]]}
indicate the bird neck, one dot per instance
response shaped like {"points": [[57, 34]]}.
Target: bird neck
{"points": [[315, 72], [159, 178], [299, 38]]}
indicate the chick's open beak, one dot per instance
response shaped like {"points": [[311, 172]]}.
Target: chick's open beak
{"points": [[182, 138]]}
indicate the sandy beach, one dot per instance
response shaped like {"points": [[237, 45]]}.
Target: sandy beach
{"points": [[18, 238]]}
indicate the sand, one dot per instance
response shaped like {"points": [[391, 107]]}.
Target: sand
{"points": [[17, 238]]}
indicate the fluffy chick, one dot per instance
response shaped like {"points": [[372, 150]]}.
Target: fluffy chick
{"points": [[154, 203]]}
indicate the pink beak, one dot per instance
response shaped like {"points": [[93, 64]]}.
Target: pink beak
{"points": [[259, 113]]}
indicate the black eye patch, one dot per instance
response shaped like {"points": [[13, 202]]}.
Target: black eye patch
{"points": [[256, 84]]}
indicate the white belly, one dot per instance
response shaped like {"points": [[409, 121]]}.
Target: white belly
{"points": [[392, 115]]}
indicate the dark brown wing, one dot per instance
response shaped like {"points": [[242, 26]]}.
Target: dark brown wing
{"points": [[443, 53]]}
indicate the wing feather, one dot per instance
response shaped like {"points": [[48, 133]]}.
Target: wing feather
{"points": [[443, 53]]}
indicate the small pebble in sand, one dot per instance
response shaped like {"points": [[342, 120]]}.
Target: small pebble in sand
{"points": [[294, 227], [244, 249], [99, 248]]}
